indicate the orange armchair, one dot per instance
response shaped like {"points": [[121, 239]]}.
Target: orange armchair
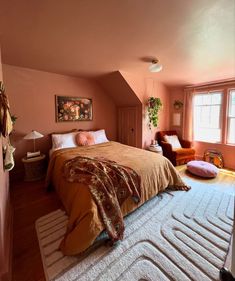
{"points": [[177, 156]]}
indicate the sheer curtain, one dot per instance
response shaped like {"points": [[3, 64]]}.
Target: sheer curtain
{"points": [[188, 114]]}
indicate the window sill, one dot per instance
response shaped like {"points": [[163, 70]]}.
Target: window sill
{"points": [[216, 143], [230, 144]]}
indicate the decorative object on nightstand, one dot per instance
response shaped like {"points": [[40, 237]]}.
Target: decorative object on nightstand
{"points": [[34, 168], [155, 147], [33, 136]]}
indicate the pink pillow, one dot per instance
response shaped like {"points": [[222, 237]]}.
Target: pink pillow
{"points": [[84, 138], [202, 169]]}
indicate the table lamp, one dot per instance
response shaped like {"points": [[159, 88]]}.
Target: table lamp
{"points": [[33, 136]]}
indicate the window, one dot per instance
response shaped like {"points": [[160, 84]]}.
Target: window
{"points": [[207, 116], [231, 118]]}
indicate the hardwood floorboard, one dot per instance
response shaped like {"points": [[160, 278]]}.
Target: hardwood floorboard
{"points": [[30, 201]]}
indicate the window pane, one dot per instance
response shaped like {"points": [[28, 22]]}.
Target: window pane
{"points": [[231, 131], [207, 99], [232, 104], [216, 98], [215, 116], [205, 117], [198, 100], [207, 108], [209, 135]]}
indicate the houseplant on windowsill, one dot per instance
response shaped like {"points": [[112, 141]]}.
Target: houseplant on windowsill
{"points": [[154, 105]]}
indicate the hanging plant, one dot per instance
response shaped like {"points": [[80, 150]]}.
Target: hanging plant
{"points": [[178, 104], [154, 105], [13, 119]]}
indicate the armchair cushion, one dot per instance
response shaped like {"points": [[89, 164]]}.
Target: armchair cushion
{"points": [[184, 151], [173, 140]]}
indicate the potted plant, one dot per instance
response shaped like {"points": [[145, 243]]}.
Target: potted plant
{"points": [[13, 119], [154, 105], [178, 104]]}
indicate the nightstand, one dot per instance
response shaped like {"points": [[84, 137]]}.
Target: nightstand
{"points": [[156, 149], [34, 168]]}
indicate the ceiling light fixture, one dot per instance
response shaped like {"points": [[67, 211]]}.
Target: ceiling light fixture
{"points": [[155, 66]]}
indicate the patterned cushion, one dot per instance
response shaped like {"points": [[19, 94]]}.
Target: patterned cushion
{"points": [[202, 169]]}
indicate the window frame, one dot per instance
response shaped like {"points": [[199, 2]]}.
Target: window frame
{"points": [[206, 92], [229, 93]]}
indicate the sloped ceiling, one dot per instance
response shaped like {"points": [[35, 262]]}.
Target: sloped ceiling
{"points": [[194, 40], [119, 89]]}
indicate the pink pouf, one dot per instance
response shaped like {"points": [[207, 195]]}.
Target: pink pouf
{"points": [[202, 169]]}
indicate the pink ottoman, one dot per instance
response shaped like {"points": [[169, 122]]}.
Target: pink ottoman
{"points": [[202, 169]]}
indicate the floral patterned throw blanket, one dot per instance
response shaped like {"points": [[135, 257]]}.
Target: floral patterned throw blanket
{"points": [[110, 185]]}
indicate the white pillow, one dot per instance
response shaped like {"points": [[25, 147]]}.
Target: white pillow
{"points": [[173, 140], [63, 140], [99, 136]]}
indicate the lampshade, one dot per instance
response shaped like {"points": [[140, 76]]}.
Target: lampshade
{"points": [[155, 66], [33, 135]]}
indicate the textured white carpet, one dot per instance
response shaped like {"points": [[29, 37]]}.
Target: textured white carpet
{"points": [[175, 236]]}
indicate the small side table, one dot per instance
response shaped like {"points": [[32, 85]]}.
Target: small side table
{"points": [[34, 168], [156, 149]]}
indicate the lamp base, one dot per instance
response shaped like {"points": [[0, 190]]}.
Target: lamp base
{"points": [[33, 154]]}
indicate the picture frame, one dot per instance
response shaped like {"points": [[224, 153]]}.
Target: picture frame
{"points": [[176, 119], [70, 109]]}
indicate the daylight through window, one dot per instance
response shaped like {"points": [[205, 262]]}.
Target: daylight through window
{"points": [[207, 117], [231, 118]]}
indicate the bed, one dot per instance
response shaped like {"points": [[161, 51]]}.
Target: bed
{"points": [[85, 223]]}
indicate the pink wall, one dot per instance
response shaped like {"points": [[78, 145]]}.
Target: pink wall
{"points": [[32, 97], [145, 88], [155, 89], [4, 211], [134, 90], [228, 151], [176, 94], [116, 86]]}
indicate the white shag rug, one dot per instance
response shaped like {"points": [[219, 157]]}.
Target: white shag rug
{"points": [[175, 236]]}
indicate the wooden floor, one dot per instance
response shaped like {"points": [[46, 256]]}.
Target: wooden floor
{"points": [[31, 201]]}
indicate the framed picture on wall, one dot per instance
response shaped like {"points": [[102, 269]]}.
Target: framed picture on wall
{"points": [[73, 109]]}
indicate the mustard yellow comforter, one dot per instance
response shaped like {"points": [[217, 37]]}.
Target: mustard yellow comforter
{"points": [[85, 224]]}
